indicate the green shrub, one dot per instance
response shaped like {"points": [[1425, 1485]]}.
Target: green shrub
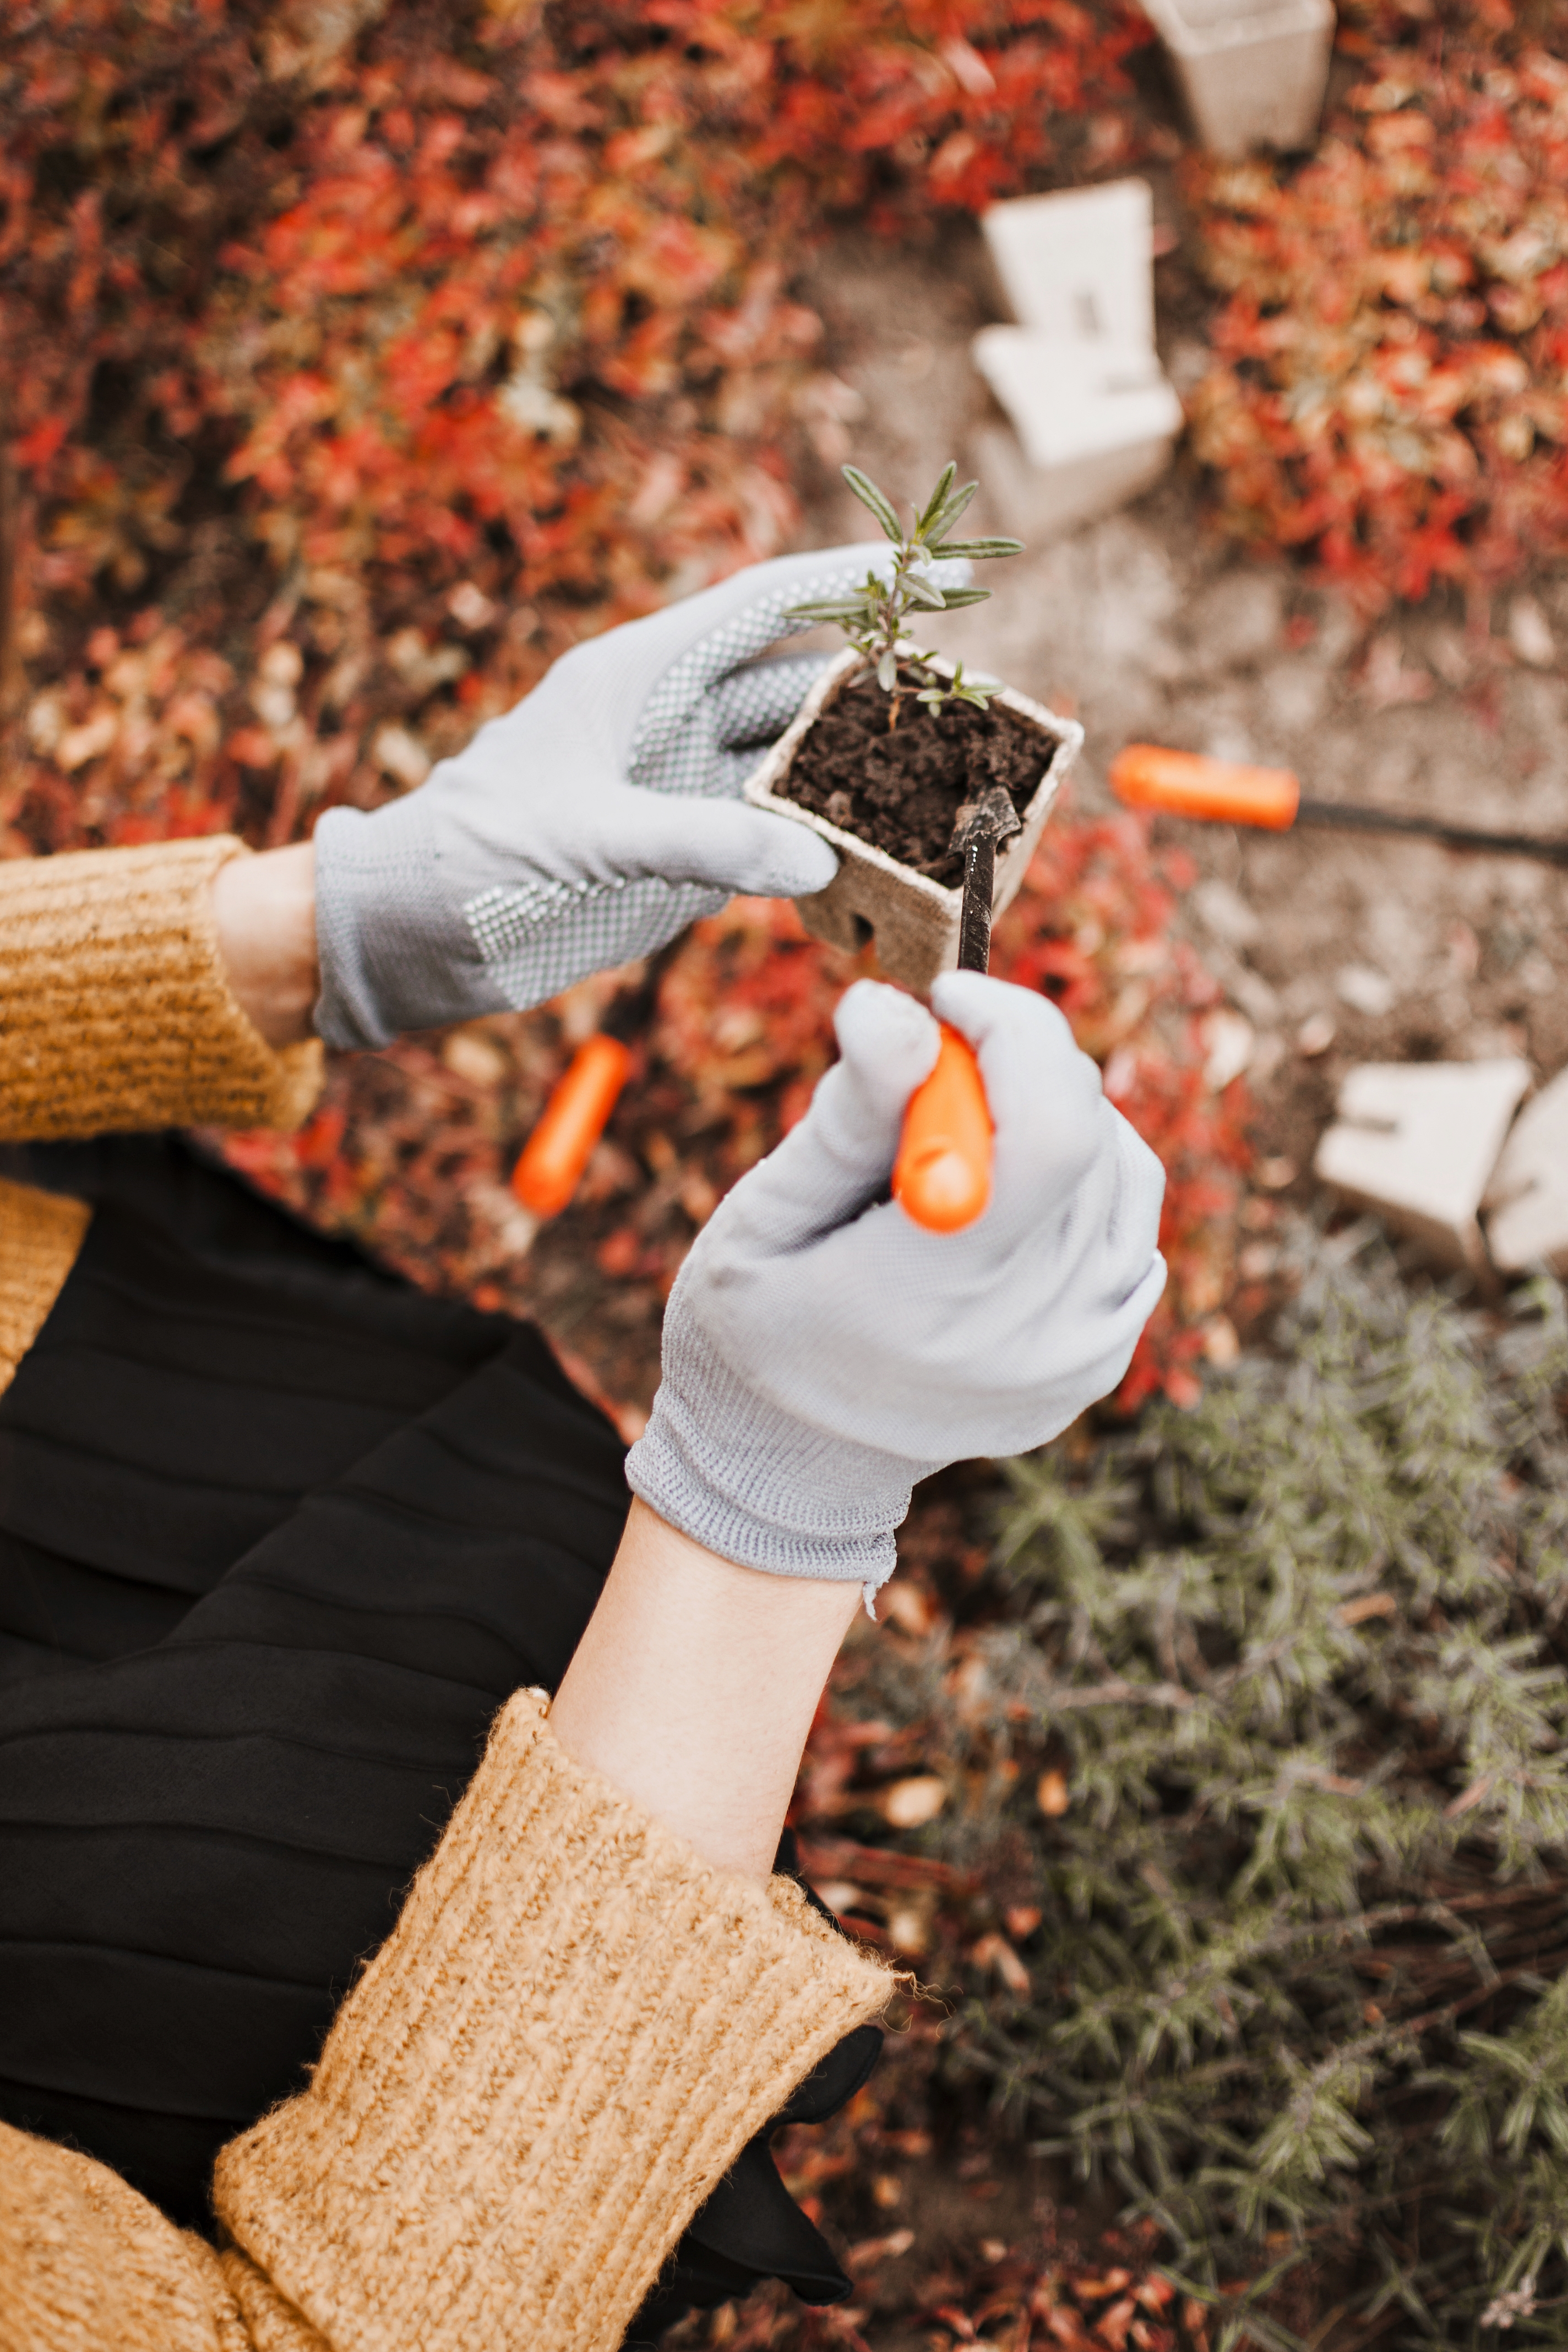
{"points": [[1299, 1656]]}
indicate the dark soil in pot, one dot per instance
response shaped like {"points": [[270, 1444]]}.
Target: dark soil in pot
{"points": [[901, 790]]}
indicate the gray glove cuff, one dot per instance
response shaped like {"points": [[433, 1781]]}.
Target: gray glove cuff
{"points": [[395, 953], [758, 1487]]}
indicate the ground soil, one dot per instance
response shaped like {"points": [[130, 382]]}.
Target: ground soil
{"points": [[901, 788]]}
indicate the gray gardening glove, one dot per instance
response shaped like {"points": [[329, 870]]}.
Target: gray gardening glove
{"points": [[586, 827], [822, 1351]]}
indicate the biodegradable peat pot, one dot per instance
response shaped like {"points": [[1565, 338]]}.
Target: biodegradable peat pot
{"points": [[913, 918]]}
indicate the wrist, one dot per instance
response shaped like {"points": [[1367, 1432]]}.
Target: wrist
{"points": [[264, 913]]}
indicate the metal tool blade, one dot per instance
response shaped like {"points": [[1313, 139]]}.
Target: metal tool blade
{"points": [[985, 819]]}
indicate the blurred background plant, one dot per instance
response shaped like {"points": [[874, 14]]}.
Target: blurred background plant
{"points": [[1389, 389], [357, 359], [1228, 1777]]}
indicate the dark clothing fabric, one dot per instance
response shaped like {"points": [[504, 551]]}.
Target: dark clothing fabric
{"points": [[277, 1535]]}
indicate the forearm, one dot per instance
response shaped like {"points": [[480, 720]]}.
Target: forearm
{"points": [[693, 1689]]}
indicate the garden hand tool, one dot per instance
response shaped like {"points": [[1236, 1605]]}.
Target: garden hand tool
{"points": [[942, 1177], [550, 1164], [1186, 783], [821, 1353], [585, 828]]}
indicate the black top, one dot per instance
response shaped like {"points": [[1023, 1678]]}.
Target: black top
{"points": [[278, 1534]]}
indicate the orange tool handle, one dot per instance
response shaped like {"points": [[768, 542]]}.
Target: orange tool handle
{"points": [[552, 1159], [942, 1177], [1185, 784]]}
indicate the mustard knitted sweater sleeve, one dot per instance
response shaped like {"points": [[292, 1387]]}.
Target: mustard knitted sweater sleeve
{"points": [[573, 2030], [115, 1013], [114, 1010]]}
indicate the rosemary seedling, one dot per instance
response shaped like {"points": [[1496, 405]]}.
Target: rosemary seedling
{"points": [[874, 615]]}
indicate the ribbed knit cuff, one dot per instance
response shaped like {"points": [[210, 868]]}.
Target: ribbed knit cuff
{"points": [[86, 2266], [40, 1233], [710, 1496], [115, 1013], [576, 2027]]}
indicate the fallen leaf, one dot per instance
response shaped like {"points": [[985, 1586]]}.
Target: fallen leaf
{"points": [[909, 1804], [879, 2250]]}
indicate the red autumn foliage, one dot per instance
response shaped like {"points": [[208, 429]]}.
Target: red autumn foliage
{"points": [[384, 351], [1390, 389], [354, 363], [1092, 927]]}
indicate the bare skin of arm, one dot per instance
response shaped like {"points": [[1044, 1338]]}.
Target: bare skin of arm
{"points": [[265, 911], [694, 1687]]}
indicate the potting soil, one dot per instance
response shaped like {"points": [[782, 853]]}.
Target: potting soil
{"points": [[901, 790]]}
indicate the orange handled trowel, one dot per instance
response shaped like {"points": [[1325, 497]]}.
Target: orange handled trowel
{"points": [[942, 1177], [1228, 791]]}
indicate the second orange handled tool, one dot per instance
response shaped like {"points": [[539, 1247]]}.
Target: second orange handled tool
{"points": [[942, 1177], [1229, 792], [552, 1163], [550, 1167]]}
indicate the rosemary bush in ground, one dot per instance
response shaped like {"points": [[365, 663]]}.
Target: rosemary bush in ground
{"points": [[1299, 1656]]}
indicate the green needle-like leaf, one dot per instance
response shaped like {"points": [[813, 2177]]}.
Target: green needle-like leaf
{"points": [[873, 617], [937, 500], [951, 512], [977, 550], [870, 495]]}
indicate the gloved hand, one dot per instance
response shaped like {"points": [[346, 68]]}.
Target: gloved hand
{"points": [[822, 1351], [588, 826]]}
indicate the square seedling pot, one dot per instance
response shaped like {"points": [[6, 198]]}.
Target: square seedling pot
{"points": [[1253, 72], [873, 898]]}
